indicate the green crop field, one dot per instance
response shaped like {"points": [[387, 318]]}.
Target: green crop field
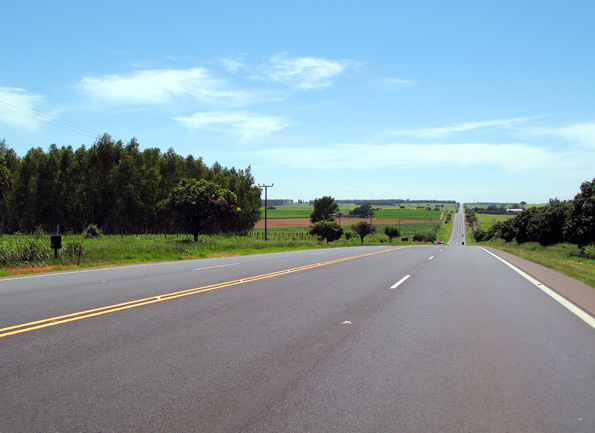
{"points": [[303, 210], [485, 221]]}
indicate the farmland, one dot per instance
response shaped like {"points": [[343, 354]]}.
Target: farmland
{"points": [[288, 227], [412, 211], [410, 218]]}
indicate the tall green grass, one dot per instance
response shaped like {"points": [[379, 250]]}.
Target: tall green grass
{"points": [[29, 251], [565, 258]]}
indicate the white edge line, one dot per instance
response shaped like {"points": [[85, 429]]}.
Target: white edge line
{"points": [[569, 305], [401, 281], [213, 267]]}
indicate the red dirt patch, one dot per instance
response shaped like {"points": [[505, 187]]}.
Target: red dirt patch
{"points": [[29, 270]]}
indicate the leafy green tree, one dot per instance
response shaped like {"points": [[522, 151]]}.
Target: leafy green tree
{"points": [[5, 175], [507, 230], [363, 211], [363, 229], [521, 224], [391, 232], [241, 183], [580, 226], [324, 209], [547, 225], [327, 230], [203, 205]]}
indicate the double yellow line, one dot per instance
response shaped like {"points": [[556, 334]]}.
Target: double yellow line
{"points": [[53, 321]]}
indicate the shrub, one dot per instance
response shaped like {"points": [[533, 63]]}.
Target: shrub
{"points": [[92, 232]]}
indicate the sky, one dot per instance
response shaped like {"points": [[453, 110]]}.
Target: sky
{"points": [[474, 101]]}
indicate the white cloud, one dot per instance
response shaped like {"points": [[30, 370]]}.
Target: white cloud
{"points": [[582, 134], [514, 157], [302, 72], [17, 108], [447, 131], [232, 66], [162, 86], [397, 83], [247, 125]]}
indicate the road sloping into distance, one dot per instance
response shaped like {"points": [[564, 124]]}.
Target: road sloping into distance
{"points": [[367, 339]]}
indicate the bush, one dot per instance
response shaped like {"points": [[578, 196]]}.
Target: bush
{"points": [[92, 232]]}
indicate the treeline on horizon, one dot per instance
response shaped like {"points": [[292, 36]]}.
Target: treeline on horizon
{"points": [[557, 222], [115, 186], [373, 202]]}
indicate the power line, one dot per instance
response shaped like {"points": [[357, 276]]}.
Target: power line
{"points": [[50, 119]]}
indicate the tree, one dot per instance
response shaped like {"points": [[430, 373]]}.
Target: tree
{"points": [[521, 224], [327, 230], [363, 229], [391, 232], [580, 226], [5, 175], [324, 209], [363, 211], [547, 225], [203, 205]]}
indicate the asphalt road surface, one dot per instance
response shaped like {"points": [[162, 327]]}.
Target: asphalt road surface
{"points": [[370, 339]]}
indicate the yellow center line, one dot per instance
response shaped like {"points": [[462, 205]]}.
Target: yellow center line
{"points": [[58, 320]]}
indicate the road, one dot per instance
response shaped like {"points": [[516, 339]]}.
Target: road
{"points": [[369, 339]]}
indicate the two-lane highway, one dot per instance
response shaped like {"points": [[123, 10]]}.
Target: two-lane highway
{"points": [[428, 338]]}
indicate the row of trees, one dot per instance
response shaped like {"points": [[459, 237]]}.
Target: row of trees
{"points": [[119, 187], [326, 228], [494, 209], [392, 202], [557, 222]]}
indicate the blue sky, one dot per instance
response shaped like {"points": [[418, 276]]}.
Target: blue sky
{"points": [[459, 100]]}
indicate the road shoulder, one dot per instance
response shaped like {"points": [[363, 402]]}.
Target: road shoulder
{"points": [[580, 294]]}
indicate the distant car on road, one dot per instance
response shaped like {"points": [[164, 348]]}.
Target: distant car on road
{"points": [[440, 242]]}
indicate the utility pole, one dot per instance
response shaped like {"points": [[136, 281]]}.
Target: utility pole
{"points": [[266, 189]]}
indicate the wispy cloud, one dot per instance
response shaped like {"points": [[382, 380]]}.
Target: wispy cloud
{"points": [[17, 108], [163, 86], [424, 156], [246, 125], [233, 66], [446, 131], [302, 72], [582, 134], [393, 83]]}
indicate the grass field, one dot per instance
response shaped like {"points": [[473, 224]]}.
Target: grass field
{"points": [[563, 258], [485, 221], [303, 210]]}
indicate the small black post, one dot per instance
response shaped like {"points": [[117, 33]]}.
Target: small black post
{"points": [[56, 242]]}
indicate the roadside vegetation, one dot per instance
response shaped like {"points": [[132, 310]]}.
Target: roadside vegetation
{"points": [[558, 235], [30, 253], [20, 253]]}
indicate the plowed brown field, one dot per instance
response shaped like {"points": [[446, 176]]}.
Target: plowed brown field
{"points": [[304, 222]]}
